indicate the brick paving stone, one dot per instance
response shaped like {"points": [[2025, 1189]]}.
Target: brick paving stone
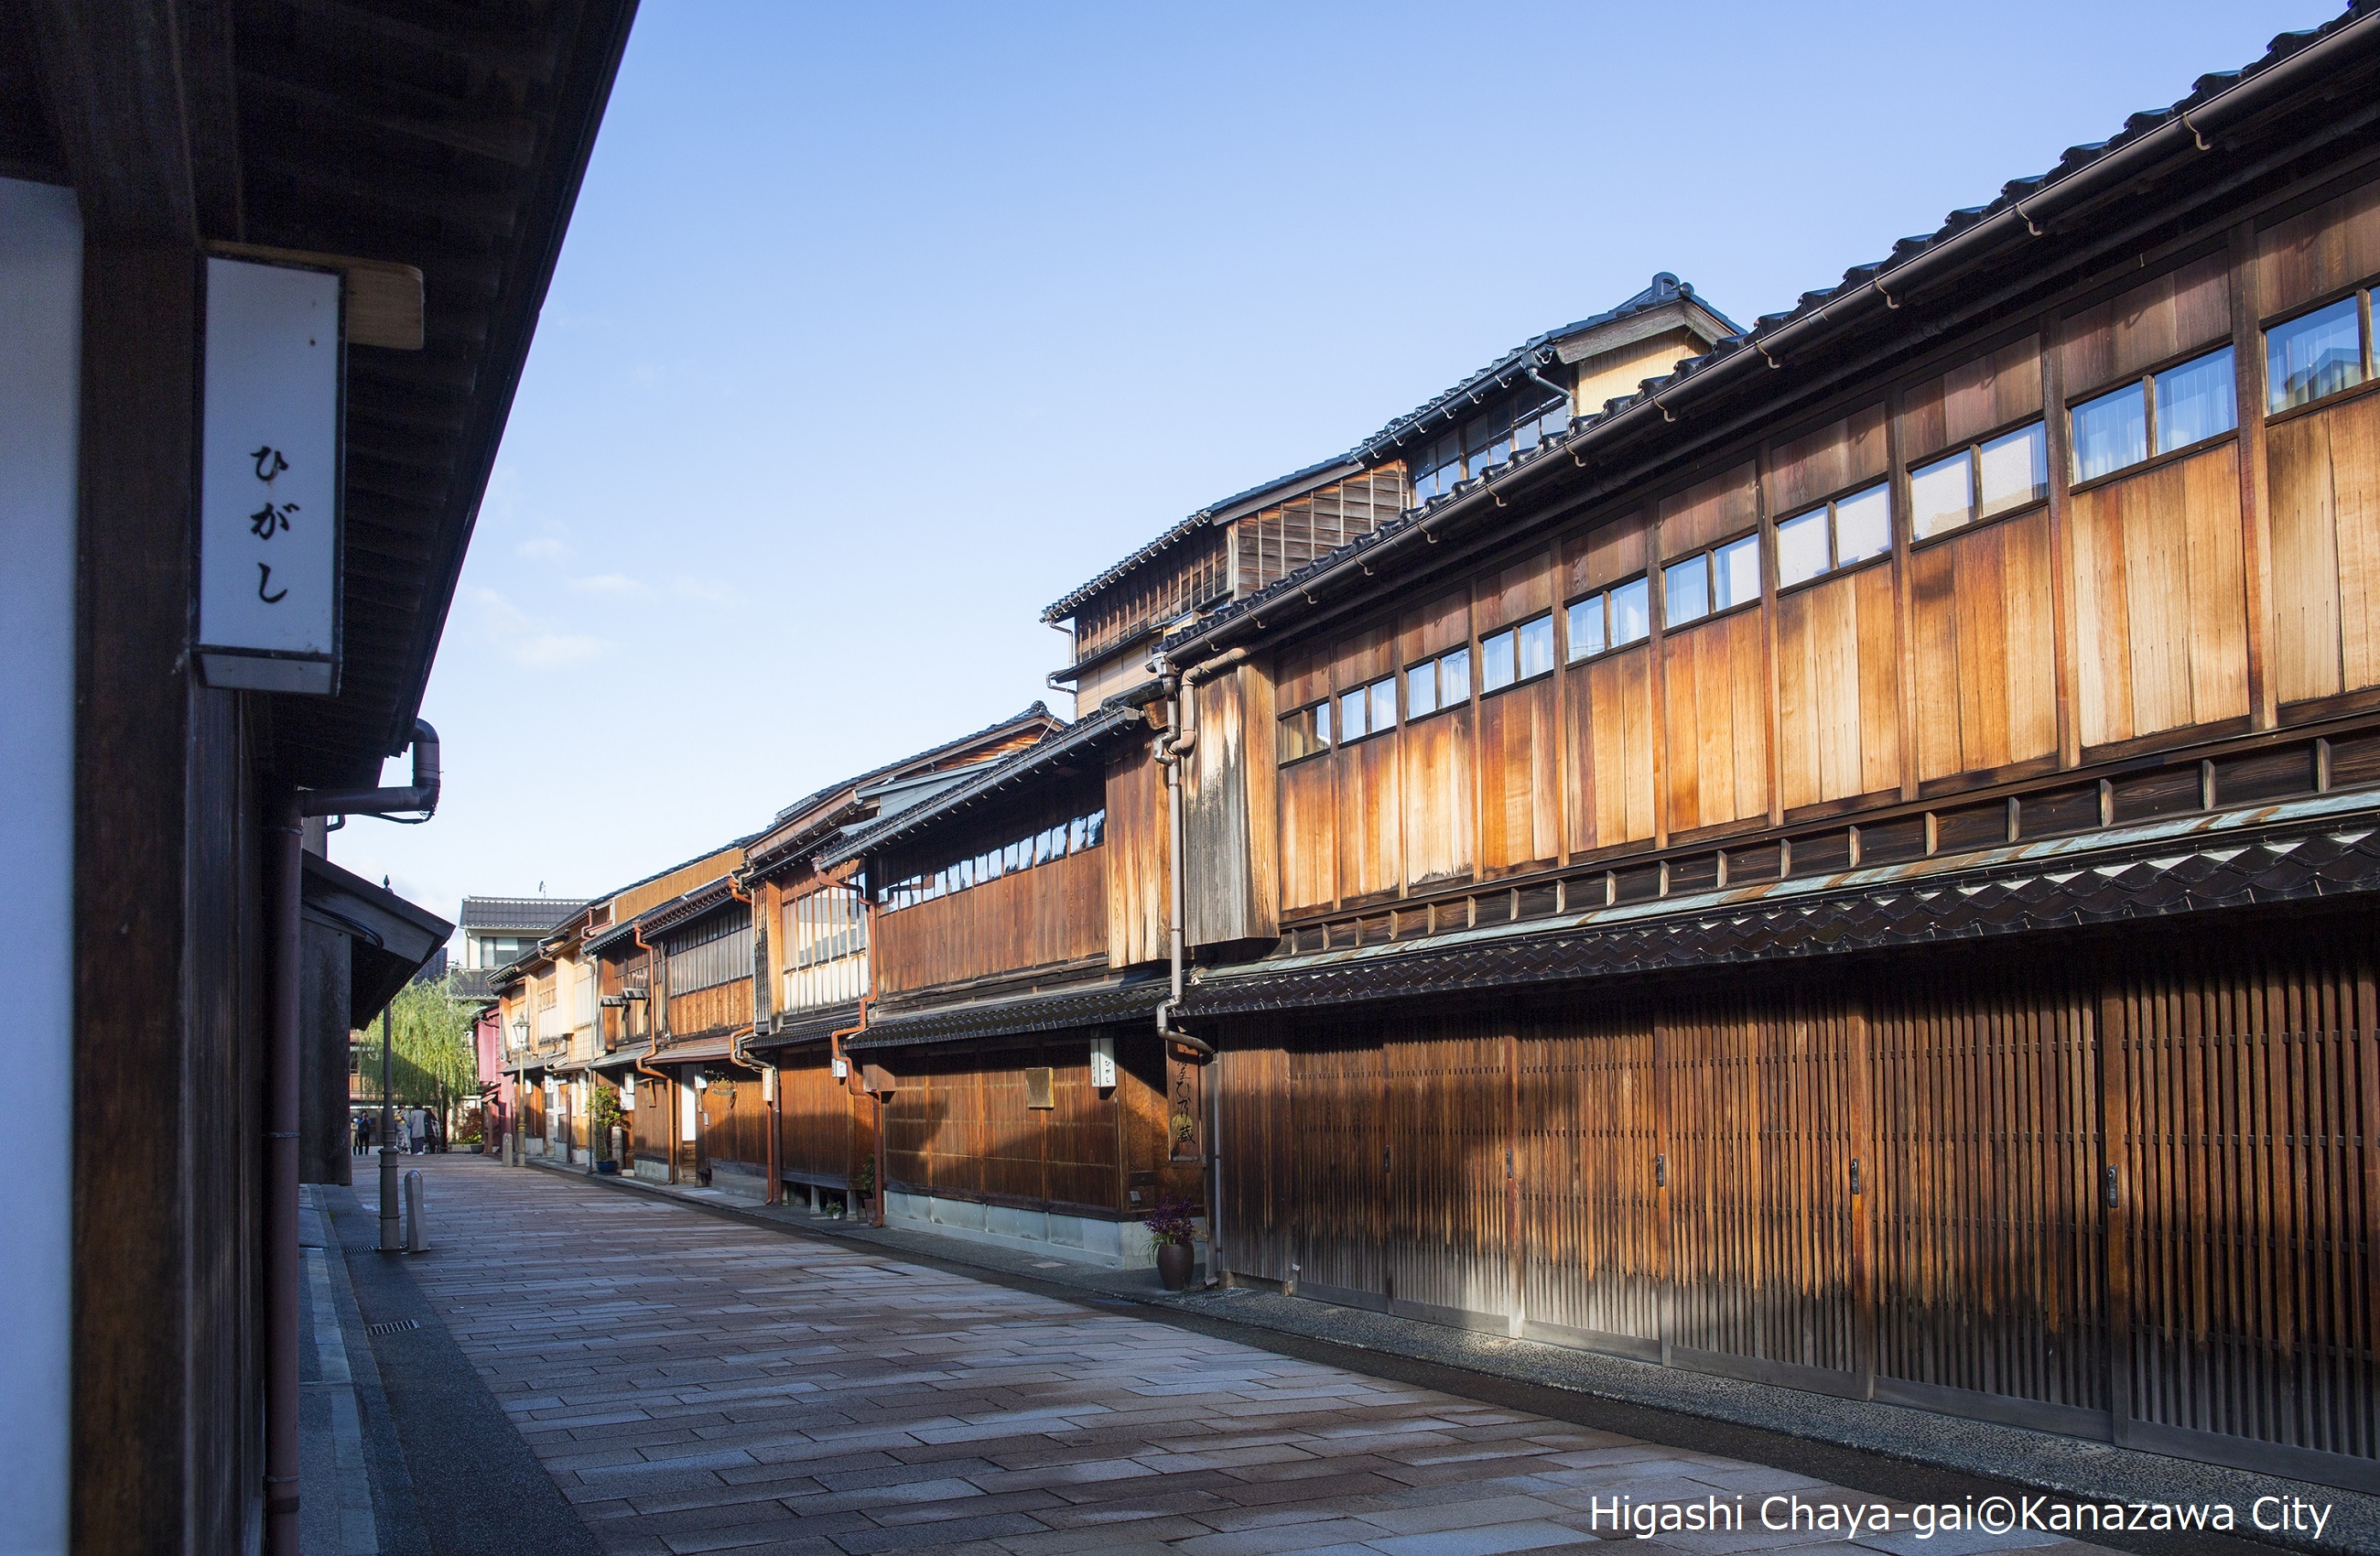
{"points": [[697, 1385]]}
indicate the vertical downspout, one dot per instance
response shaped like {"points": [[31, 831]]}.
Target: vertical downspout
{"points": [[281, 1252], [834, 1045]]}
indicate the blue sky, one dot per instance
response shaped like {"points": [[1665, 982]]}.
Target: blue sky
{"points": [[880, 327]]}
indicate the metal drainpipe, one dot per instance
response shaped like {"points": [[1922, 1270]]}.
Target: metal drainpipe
{"points": [[834, 1047], [283, 1110]]}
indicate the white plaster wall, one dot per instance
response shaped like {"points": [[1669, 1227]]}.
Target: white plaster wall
{"points": [[41, 334]]}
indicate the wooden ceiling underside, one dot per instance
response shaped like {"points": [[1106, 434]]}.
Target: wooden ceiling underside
{"points": [[445, 135]]}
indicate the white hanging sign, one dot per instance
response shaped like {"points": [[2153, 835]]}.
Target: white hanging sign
{"points": [[1103, 1070], [270, 480]]}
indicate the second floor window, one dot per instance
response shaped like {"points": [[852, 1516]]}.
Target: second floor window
{"points": [[2162, 412], [1717, 579], [2315, 355], [1368, 709], [825, 926], [718, 950], [1060, 840], [1443, 682], [1306, 732], [1517, 653], [1516, 424], [1849, 529], [1613, 619], [1982, 481]]}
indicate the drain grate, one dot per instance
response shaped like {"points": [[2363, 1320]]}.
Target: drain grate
{"points": [[394, 1326]]}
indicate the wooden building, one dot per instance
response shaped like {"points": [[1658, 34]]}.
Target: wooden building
{"points": [[1016, 939], [421, 172], [1849, 865], [811, 967]]}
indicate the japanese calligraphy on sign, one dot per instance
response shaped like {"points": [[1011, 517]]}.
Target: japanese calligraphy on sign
{"points": [[269, 482], [1184, 1111]]}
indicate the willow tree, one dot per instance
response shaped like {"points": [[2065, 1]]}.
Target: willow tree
{"points": [[433, 1062]]}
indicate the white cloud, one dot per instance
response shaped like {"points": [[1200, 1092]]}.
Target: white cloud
{"points": [[545, 548], [527, 641]]}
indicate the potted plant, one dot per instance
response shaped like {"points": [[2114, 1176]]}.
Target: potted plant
{"points": [[1172, 1229], [863, 1184]]}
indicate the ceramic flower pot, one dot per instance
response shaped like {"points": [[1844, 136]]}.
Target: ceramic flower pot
{"points": [[1174, 1261]]}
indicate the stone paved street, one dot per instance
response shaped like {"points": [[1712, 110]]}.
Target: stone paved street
{"points": [[696, 1385]]}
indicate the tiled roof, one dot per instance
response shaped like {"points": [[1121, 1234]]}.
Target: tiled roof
{"points": [[1093, 1006], [1111, 718], [516, 913], [2018, 214], [1666, 290], [2188, 875], [1032, 711]]}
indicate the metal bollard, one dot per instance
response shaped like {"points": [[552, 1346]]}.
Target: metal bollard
{"points": [[417, 1237]]}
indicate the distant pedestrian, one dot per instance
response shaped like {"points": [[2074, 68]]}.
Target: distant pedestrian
{"points": [[437, 1132], [362, 1134], [417, 1129]]}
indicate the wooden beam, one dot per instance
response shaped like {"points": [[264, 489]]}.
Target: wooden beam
{"points": [[114, 75]]}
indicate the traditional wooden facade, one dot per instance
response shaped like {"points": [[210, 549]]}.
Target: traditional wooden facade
{"points": [[1849, 866], [813, 966], [1016, 921]]}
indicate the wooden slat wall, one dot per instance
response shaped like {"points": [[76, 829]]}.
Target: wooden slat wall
{"points": [[1760, 1096], [1050, 913], [1448, 1117], [816, 1128], [735, 1121], [2160, 605], [958, 1125], [532, 1112], [1990, 1256], [1594, 1246], [1259, 1182], [2248, 1150], [2228, 1305], [653, 1132], [1336, 1144]]}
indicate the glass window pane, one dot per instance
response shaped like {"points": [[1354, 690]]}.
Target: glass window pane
{"points": [[2196, 401], [1322, 724], [1536, 646], [1685, 592], [1735, 572], [2318, 355], [2015, 470], [2110, 432], [1586, 627], [1941, 495], [1078, 836], [1454, 677], [1631, 612], [1802, 548], [1496, 662], [1863, 525], [1384, 703], [1351, 716], [1421, 690]]}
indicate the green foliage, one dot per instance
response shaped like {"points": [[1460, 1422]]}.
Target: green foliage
{"points": [[431, 1061]]}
